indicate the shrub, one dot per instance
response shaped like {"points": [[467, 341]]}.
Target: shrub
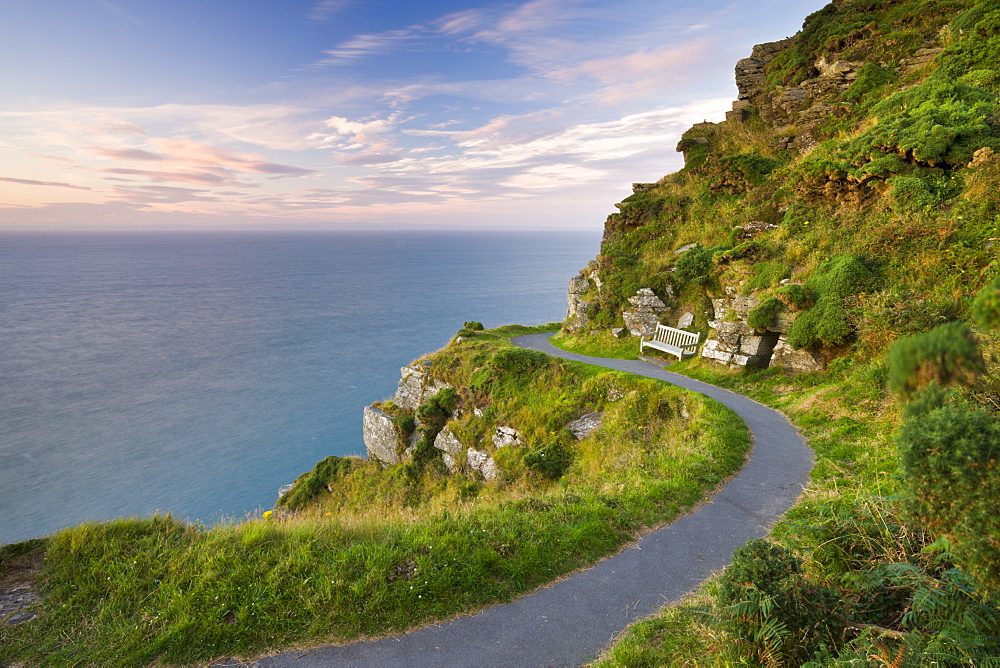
{"points": [[762, 316], [433, 414], [310, 486], [747, 249], [911, 193], [551, 461], [827, 323], [871, 79], [948, 456], [766, 275], [986, 307], [473, 326], [777, 616], [796, 296], [946, 355], [694, 265]]}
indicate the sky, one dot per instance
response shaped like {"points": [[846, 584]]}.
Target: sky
{"points": [[356, 114]]}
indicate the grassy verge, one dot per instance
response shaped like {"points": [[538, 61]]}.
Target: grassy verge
{"points": [[600, 344], [381, 551]]}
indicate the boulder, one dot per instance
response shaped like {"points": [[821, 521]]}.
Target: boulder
{"points": [[415, 387], [450, 447], [586, 425], [381, 436], [481, 461], [646, 312], [504, 436], [577, 308], [686, 320], [796, 360]]}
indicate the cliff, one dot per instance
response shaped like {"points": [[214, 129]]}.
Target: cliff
{"points": [[842, 203]]}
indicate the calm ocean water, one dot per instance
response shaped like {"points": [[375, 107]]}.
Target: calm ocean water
{"points": [[196, 373]]}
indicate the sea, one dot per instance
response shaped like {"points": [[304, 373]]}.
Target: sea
{"points": [[196, 373]]}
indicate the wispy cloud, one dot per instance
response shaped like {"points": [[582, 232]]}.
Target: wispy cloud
{"points": [[366, 46], [32, 182], [324, 9]]}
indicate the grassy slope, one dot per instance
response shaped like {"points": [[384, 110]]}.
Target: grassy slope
{"points": [[896, 186], [392, 549]]}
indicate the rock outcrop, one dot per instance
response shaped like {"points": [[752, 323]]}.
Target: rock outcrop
{"points": [[381, 436], [416, 386], [795, 111], [585, 425], [646, 312], [577, 307], [451, 448], [734, 342]]}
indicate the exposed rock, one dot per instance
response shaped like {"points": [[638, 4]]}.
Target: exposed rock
{"points": [[504, 436], [686, 320], [732, 308], [14, 602], [792, 100], [685, 248], [577, 308], [619, 332], [646, 312], [755, 228], [736, 344], [415, 387], [381, 436], [810, 120], [451, 448], [642, 187], [797, 360], [285, 489], [586, 425], [921, 58], [983, 156], [482, 462], [714, 351]]}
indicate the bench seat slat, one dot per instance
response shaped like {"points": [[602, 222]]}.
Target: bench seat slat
{"points": [[674, 341]]}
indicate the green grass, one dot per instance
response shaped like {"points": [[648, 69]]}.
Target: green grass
{"points": [[391, 549], [599, 344]]}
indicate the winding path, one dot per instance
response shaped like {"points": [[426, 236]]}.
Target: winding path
{"points": [[572, 621]]}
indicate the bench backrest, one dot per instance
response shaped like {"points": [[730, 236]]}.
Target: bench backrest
{"points": [[675, 337]]}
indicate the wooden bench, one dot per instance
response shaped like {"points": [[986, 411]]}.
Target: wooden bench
{"points": [[670, 340]]}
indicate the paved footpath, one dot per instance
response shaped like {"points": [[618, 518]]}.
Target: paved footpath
{"points": [[572, 621]]}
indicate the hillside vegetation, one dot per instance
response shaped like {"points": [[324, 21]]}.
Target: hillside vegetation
{"points": [[850, 200]]}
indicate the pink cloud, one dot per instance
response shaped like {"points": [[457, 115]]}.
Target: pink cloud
{"points": [[135, 154], [199, 178], [32, 182]]}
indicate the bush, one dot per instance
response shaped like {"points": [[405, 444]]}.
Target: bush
{"points": [[695, 264], [796, 296], [911, 193], [777, 616], [310, 486], [946, 355], [986, 307], [551, 461], [870, 80], [762, 316], [948, 456], [827, 323], [433, 414], [473, 326]]}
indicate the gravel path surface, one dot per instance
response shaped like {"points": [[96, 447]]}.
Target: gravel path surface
{"points": [[572, 621]]}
